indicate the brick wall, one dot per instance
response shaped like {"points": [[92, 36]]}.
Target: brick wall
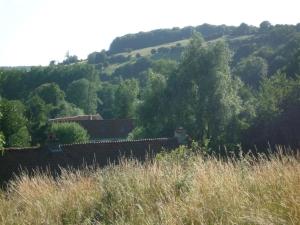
{"points": [[74, 155]]}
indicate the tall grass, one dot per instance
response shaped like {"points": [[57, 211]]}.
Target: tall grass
{"points": [[164, 191]]}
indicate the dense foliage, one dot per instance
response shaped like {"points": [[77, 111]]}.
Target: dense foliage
{"points": [[161, 36], [67, 133], [225, 85], [14, 123]]}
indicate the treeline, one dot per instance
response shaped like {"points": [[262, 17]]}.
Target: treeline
{"points": [[242, 89], [30, 98], [219, 106], [161, 36]]}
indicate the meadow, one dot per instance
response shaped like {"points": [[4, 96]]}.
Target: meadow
{"points": [[178, 188]]}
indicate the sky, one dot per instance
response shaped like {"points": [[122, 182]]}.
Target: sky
{"points": [[34, 32]]}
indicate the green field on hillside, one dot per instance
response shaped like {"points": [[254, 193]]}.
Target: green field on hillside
{"points": [[147, 51]]}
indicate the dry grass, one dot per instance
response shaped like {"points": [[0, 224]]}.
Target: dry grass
{"points": [[192, 191]]}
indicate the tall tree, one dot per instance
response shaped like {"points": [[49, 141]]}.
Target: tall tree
{"points": [[126, 99], [202, 95], [83, 94], [50, 93], [151, 114], [107, 96], [14, 124], [37, 113]]}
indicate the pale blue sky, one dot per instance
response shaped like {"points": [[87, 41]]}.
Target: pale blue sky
{"points": [[33, 32]]}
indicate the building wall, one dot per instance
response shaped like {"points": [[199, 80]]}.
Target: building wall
{"points": [[77, 155], [103, 129]]}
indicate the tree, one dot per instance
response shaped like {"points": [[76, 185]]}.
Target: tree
{"points": [[126, 99], [272, 93], [202, 96], [244, 29], [83, 94], [14, 124], [218, 101], [293, 67], [67, 133], [2, 138], [252, 70], [151, 111], [153, 51], [12, 84], [52, 63], [68, 109], [37, 113], [70, 59], [21, 138], [164, 66], [97, 57], [50, 93], [107, 96], [278, 108], [265, 26]]}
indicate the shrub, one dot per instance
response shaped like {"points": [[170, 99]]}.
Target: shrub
{"points": [[153, 51], [67, 133]]}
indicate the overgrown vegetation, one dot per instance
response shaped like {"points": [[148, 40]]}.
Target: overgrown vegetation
{"points": [[183, 187], [67, 133]]}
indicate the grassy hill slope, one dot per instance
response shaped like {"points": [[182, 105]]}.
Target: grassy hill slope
{"points": [[164, 51]]}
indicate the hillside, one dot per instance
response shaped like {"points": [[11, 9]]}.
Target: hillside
{"points": [[223, 84], [163, 36]]}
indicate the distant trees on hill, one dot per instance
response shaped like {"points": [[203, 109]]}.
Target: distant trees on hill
{"points": [[162, 36], [147, 39], [242, 88], [97, 57]]}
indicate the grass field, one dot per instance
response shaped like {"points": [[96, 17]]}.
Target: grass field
{"points": [[168, 190], [146, 52]]}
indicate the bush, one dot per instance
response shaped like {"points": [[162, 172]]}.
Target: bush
{"points": [[20, 139], [163, 50], [153, 51], [67, 133]]}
